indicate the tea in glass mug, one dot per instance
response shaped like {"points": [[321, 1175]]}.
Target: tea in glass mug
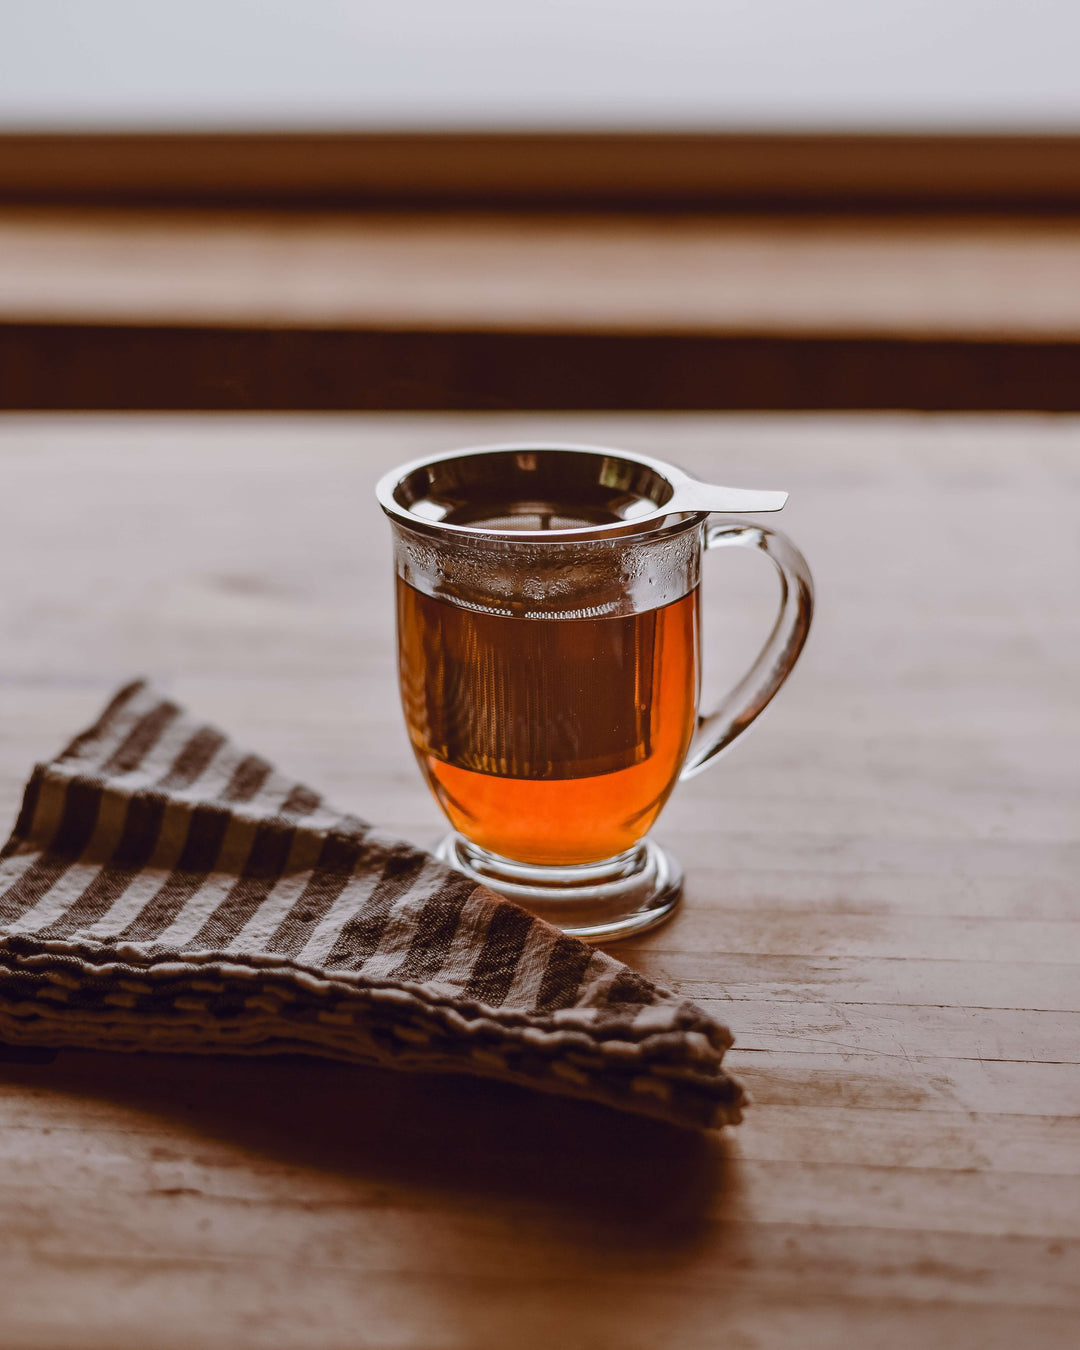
{"points": [[549, 655]]}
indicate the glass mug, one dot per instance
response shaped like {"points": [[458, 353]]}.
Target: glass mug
{"points": [[549, 655]]}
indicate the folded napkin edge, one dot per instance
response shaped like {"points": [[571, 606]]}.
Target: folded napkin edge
{"points": [[468, 1015], [706, 1110]]}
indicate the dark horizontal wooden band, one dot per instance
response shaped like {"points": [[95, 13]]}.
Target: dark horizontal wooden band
{"points": [[588, 168], [65, 367]]}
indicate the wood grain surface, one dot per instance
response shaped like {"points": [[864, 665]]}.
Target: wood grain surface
{"points": [[882, 902]]}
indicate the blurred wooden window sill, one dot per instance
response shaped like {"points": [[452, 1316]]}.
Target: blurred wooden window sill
{"points": [[258, 308]]}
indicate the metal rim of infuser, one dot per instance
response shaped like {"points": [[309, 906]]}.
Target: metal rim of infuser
{"points": [[545, 492]]}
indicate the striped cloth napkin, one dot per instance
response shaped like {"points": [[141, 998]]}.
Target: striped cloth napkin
{"points": [[165, 890]]}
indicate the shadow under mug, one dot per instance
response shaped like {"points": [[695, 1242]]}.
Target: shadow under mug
{"points": [[549, 656]]}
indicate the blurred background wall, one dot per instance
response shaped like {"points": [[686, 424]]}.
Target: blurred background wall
{"points": [[718, 64]]}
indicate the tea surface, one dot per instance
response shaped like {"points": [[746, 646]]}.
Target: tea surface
{"points": [[548, 740]]}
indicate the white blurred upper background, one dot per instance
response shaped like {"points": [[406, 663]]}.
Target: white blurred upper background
{"points": [[591, 64]]}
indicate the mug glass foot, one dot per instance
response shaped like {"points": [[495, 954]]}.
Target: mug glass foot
{"points": [[597, 902]]}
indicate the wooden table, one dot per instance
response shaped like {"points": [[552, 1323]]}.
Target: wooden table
{"points": [[881, 902]]}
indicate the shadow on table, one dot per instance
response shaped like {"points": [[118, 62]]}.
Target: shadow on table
{"points": [[604, 1176]]}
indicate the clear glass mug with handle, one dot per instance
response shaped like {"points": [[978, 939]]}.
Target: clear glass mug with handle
{"points": [[549, 656]]}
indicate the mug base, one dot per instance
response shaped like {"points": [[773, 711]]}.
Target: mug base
{"points": [[597, 902]]}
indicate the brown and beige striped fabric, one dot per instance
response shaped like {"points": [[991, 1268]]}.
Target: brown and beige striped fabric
{"points": [[165, 890]]}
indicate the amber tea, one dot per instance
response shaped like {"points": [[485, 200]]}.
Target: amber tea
{"points": [[549, 740]]}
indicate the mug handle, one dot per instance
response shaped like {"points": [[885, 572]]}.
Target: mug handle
{"points": [[716, 730]]}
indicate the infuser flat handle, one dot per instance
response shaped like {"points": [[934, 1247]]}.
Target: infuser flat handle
{"points": [[716, 730], [693, 495]]}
